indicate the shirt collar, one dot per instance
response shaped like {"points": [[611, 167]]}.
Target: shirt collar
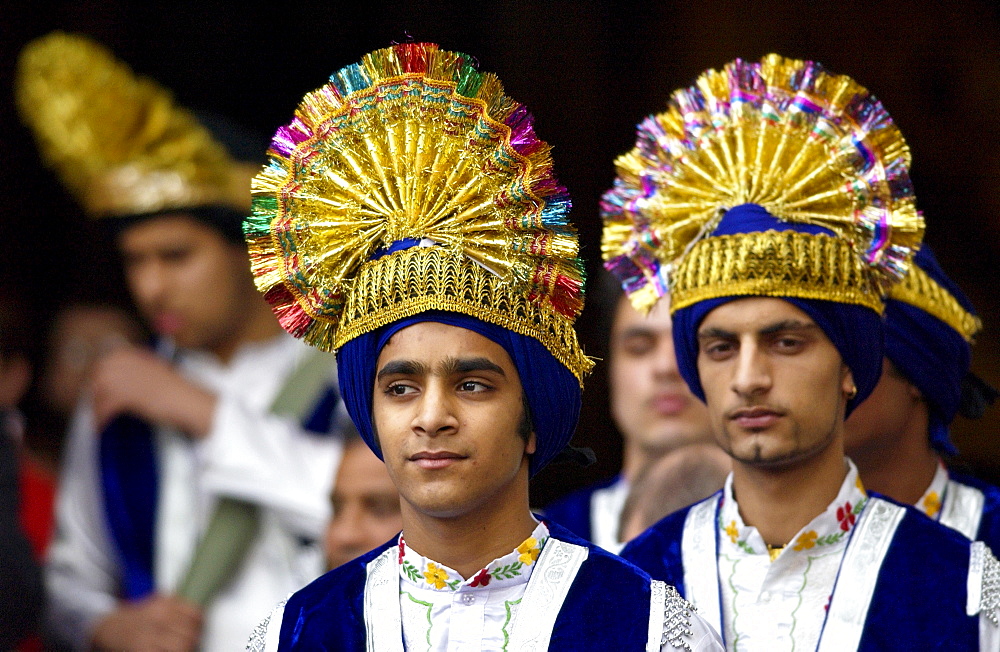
{"points": [[513, 568], [829, 529], [930, 502]]}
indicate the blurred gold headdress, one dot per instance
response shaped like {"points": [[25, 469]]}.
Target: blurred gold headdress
{"points": [[118, 141], [411, 182], [814, 150]]}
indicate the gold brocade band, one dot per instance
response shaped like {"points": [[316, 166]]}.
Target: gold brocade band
{"points": [[921, 291], [773, 263], [418, 279]]}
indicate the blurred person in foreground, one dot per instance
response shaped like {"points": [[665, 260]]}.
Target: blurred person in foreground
{"points": [[195, 482], [778, 232], [365, 505], [651, 406], [899, 436], [450, 286]]}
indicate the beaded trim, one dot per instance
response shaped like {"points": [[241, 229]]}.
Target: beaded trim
{"points": [[676, 619], [989, 602]]}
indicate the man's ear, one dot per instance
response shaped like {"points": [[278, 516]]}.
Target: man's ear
{"points": [[532, 444], [847, 383]]}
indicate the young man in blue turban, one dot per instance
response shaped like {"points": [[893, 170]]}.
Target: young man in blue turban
{"points": [[735, 200], [898, 436], [410, 219], [195, 481]]}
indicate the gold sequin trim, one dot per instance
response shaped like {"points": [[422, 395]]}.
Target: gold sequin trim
{"points": [[773, 263]]}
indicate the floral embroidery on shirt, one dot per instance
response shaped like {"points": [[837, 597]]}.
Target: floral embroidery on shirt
{"points": [[482, 578], [732, 531], [806, 540], [529, 550], [845, 515], [514, 566], [932, 504], [859, 485], [436, 576]]}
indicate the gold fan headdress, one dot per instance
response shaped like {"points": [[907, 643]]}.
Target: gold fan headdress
{"points": [[118, 141], [808, 146], [411, 182]]}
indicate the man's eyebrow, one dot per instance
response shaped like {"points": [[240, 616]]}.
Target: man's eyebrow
{"points": [[635, 331], [467, 365], [787, 325], [401, 368], [715, 332]]}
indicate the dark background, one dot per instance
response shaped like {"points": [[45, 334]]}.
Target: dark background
{"points": [[588, 70]]}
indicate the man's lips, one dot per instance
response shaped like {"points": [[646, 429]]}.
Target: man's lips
{"points": [[167, 323], [436, 459], [755, 418], [668, 404]]}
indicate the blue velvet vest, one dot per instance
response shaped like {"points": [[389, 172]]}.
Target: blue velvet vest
{"points": [[989, 526], [607, 607], [919, 600], [573, 511]]}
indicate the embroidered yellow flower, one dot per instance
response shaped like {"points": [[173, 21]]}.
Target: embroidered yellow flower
{"points": [[932, 504], [861, 487], [806, 540], [436, 575], [732, 531], [529, 551]]}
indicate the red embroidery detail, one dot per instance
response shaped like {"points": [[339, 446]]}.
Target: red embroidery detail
{"points": [[845, 515], [482, 578], [402, 548]]}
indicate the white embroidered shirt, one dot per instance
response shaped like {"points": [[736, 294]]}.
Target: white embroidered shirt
{"points": [[441, 611], [781, 604]]}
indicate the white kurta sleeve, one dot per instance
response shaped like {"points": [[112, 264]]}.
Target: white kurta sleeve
{"points": [[81, 573], [270, 461], [265, 636]]}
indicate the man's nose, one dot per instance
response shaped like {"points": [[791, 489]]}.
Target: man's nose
{"points": [[752, 373], [435, 414]]}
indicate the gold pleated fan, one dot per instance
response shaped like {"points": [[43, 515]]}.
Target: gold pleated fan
{"points": [[806, 145], [412, 182]]}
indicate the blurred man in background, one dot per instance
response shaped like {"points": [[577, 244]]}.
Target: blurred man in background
{"points": [[899, 435], [652, 407], [195, 481], [365, 505]]}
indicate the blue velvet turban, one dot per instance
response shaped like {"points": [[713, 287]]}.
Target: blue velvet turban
{"points": [[552, 391], [854, 330], [930, 353]]}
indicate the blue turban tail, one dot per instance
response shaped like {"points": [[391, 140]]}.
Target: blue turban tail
{"points": [[854, 330], [930, 353], [552, 391]]}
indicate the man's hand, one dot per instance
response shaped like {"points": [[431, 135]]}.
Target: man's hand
{"points": [[135, 381], [162, 623]]}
